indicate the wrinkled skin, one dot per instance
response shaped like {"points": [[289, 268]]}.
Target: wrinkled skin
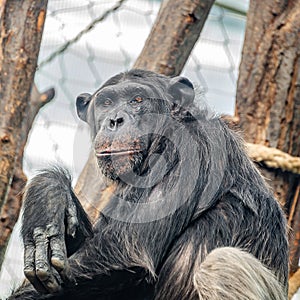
{"points": [[184, 188]]}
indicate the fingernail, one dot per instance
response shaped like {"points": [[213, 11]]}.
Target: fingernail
{"points": [[58, 262]]}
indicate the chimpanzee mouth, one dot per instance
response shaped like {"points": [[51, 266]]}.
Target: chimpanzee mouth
{"points": [[107, 153]]}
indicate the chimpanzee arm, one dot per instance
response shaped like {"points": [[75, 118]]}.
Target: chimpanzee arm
{"points": [[194, 271], [105, 267], [54, 227]]}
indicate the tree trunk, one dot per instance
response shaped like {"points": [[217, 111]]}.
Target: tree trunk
{"points": [[268, 95], [174, 33], [21, 26], [173, 36], [12, 206]]}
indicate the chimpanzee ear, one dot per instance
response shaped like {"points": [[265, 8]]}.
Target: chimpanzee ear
{"points": [[82, 104], [182, 91]]}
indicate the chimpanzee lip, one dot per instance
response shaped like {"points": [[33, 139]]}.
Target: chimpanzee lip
{"points": [[105, 153]]}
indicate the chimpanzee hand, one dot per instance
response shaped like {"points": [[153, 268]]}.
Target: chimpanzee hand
{"points": [[54, 226]]}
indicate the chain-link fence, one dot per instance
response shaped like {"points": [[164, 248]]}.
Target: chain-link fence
{"points": [[87, 41]]}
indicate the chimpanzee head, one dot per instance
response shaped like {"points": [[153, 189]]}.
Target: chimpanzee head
{"points": [[124, 117]]}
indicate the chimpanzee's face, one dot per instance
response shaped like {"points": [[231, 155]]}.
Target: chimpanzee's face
{"points": [[121, 114], [123, 118]]}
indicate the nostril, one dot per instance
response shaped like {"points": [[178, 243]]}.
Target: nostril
{"points": [[120, 121], [112, 123]]}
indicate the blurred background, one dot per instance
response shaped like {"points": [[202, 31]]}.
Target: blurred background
{"points": [[94, 55]]}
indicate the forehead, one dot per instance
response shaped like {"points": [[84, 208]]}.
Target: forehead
{"points": [[129, 87]]}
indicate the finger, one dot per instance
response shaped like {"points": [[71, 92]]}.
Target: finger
{"points": [[41, 254], [58, 252], [53, 282], [42, 265], [29, 267], [72, 219], [29, 253], [66, 274]]}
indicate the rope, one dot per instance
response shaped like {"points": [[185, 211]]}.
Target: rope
{"points": [[273, 158]]}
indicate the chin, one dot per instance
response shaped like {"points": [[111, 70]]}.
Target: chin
{"points": [[118, 159], [118, 167]]}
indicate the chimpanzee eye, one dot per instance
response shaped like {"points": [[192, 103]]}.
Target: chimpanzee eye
{"points": [[136, 100], [107, 102]]}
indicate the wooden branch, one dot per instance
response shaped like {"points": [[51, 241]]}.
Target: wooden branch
{"points": [[268, 92], [21, 30], [294, 223], [12, 206], [174, 34], [21, 26], [268, 97], [294, 284]]}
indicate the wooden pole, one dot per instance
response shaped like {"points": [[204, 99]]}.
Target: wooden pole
{"points": [[21, 27]]}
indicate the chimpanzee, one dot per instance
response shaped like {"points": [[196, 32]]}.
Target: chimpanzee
{"points": [[191, 217]]}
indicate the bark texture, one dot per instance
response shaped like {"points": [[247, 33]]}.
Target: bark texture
{"points": [[175, 31], [173, 36], [21, 26], [11, 209], [268, 95]]}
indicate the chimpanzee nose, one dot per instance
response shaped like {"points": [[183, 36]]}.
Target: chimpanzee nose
{"points": [[116, 122]]}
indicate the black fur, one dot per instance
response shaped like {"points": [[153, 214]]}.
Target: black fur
{"points": [[167, 214]]}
